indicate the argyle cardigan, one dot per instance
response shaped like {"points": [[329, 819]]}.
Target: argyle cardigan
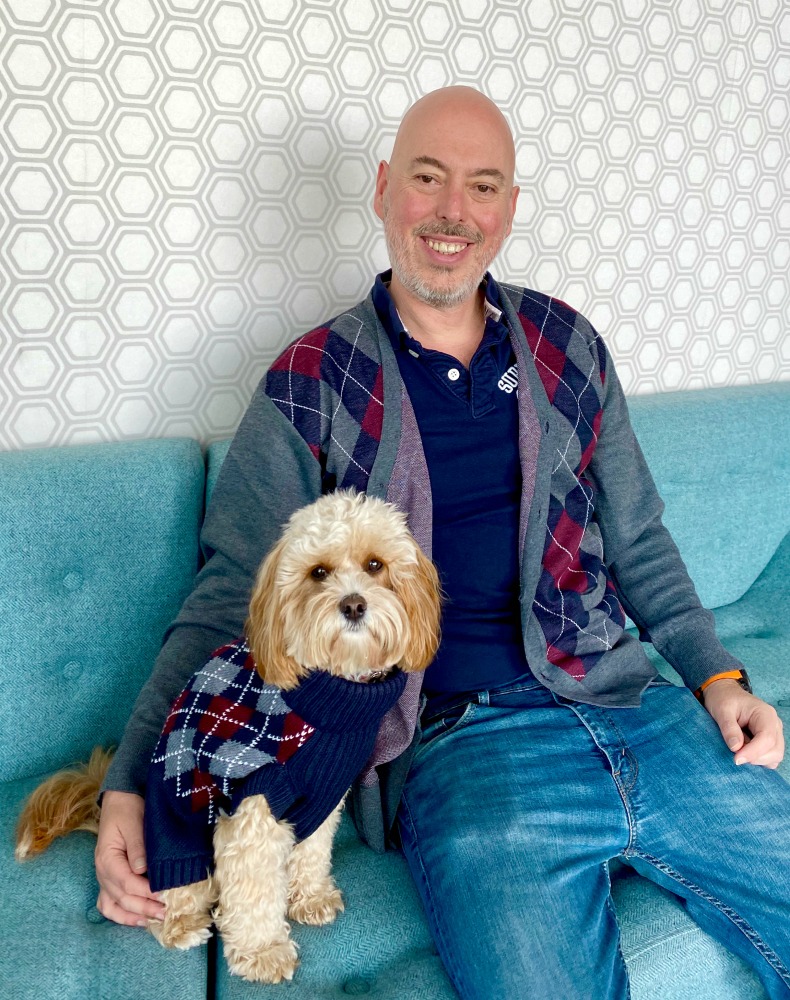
{"points": [[575, 603], [229, 735]]}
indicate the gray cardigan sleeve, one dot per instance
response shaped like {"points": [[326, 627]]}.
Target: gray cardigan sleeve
{"points": [[267, 474], [643, 559]]}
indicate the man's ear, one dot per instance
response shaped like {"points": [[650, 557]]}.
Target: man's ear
{"points": [[382, 179], [513, 200]]}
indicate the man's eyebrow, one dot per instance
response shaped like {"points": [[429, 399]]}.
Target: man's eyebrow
{"points": [[430, 161]]}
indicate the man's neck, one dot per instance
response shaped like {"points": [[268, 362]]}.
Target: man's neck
{"points": [[456, 330]]}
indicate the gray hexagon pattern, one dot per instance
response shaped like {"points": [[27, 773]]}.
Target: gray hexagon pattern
{"points": [[185, 185]]}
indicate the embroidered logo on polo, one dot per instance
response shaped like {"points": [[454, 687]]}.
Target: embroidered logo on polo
{"points": [[509, 380]]}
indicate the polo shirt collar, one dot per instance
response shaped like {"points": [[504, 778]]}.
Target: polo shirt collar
{"points": [[399, 336]]}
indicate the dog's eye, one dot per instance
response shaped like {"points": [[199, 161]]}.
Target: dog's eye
{"points": [[375, 565], [319, 573]]}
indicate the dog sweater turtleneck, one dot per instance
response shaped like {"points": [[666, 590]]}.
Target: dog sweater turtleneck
{"points": [[230, 735]]}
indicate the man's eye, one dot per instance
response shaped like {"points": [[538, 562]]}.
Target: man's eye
{"points": [[375, 566], [485, 189], [319, 573], [425, 178]]}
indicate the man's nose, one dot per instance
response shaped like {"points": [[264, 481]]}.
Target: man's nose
{"points": [[452, 203]]}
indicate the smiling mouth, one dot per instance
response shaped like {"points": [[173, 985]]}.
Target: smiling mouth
{"points": [[449, 249]]}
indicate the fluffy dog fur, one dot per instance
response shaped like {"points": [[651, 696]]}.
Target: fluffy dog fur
{"points": [[347, 590]]}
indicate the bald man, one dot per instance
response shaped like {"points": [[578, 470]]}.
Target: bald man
{"points": [[541, 744]]}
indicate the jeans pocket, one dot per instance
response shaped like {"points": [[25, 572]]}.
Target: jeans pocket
{"points": [[446, 723]]}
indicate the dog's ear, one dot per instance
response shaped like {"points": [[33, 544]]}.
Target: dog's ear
{"points": [[265, 627], [420, 592]]}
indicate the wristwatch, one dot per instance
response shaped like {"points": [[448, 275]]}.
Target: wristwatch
{"points": [[739, 675]]}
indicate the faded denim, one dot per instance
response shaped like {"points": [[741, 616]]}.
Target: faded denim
{"points": [[516, 803]]}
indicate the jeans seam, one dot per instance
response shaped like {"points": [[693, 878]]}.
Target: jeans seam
{"points": [[743, 926], [625, 752], [448, 951], [619, 785]]}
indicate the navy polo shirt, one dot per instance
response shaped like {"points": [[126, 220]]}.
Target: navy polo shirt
{"points": [[468, 421]]}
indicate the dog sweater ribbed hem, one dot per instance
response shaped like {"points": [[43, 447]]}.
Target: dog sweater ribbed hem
{"points": [[230, 735]]}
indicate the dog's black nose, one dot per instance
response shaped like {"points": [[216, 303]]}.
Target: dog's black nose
{"points": [[353, 607]]}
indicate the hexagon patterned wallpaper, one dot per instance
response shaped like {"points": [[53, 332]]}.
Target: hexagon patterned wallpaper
{"points": [[185, 185]]}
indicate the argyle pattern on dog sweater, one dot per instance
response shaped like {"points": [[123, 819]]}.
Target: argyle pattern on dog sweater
{"points": [[229, 735]]}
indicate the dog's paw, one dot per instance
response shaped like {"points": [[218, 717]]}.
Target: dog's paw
{"points": [[317, 906], [188, 930], [269, 965]]}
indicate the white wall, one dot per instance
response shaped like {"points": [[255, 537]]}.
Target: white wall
{"points": [[185, 186]]}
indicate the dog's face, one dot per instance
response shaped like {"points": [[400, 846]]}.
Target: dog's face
{"points": [[347, 590]]}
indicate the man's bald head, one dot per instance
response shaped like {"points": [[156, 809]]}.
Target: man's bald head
{"points": [[456, 108]]}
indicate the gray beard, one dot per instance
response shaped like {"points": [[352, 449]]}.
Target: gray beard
{"points": [[436, 297]]}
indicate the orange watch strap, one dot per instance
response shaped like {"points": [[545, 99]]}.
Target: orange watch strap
{"points": [[735, 675]]}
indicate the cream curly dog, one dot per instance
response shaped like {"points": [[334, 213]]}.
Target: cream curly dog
{"points": [[249, 777]]}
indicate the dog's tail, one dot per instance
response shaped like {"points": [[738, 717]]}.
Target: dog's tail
{"points": [[65, 802]]}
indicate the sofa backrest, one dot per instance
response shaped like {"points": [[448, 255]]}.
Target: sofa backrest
{"points": [[721, 463], [98, 549]]}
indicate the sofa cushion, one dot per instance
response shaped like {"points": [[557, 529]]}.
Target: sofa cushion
{"points": [[98, 549], [380, 946], [56, 944], [756, 629], [667, 955]]}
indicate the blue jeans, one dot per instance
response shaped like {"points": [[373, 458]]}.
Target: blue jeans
{"points": [[516, 803]]}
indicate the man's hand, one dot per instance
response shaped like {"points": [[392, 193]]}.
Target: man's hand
{"points": [[734, 711], [124, 894]]}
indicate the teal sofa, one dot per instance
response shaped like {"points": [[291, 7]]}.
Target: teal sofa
{"points": [[98, 547]]}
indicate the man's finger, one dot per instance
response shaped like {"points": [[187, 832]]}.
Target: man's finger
{"points": [[763, 745], [733, 734], [131, 911]]}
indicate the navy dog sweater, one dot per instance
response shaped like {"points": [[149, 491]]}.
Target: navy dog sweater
{"points": [[230, 735]]}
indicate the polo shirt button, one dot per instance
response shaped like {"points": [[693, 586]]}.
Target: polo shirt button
{"points": [[453, 374]]}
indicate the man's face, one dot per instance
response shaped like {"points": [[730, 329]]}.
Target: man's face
{"points": [[447, 202]]}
